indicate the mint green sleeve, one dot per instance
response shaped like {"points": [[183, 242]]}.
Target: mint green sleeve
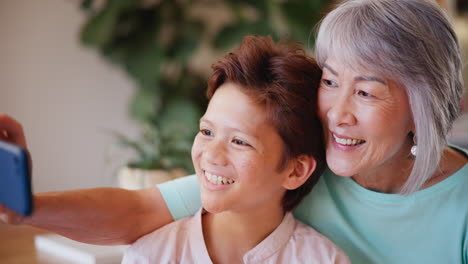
{"points": [[182, 196], [465, 249]]}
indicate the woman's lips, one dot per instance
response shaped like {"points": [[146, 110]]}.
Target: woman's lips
{"points": [[347, 141]]}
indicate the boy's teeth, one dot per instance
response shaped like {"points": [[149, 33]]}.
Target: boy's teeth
{"points": [[347, 141], [215, 179]]}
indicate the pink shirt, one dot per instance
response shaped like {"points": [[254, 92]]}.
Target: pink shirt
{"points": [[182, 241]]}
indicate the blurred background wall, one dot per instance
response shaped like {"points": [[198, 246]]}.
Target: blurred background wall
{"points": [[65, 96]]}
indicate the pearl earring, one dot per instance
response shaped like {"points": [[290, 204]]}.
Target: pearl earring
{"points": [[414, 148]]}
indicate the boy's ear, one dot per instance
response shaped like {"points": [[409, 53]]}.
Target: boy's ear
{"points": [[302, 168]]}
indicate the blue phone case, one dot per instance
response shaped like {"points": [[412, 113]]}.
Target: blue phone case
{"points": [[15, 184]]}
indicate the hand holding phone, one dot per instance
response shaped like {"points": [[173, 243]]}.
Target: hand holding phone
{"points": [[15, 184], [15, 192]]}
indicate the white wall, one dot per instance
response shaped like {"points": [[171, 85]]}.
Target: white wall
{"points": [[65, 96]]}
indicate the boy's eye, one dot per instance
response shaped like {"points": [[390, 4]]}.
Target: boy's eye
{"points": [[206, 132], [240, 142]]}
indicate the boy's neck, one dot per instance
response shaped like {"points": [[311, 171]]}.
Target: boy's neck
{"points": [[230, 235]]}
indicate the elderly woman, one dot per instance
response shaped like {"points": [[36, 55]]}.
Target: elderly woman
{"points": [[394, 192]]}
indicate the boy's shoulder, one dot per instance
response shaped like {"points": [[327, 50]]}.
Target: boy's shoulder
{"points": [[294, 242], [307, 234], [170, 233], [315, 245], [171, 242]]}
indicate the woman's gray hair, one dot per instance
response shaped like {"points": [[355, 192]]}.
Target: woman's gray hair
{"points": [[412, 43]]}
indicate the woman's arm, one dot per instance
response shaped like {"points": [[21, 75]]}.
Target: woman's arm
{"points": [[98, 216], [104, 216]]}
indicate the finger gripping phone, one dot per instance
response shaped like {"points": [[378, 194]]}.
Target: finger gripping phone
{"points": [[15, 180]]}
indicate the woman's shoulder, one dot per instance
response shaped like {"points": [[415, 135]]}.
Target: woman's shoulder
{"points": [[453, 168]]}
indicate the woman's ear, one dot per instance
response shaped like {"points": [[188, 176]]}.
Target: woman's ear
{"points": [[303, 166]]}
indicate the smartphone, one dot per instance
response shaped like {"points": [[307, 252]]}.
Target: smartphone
{"points": [[15, 180]]}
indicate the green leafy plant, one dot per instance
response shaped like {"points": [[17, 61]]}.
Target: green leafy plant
{"points": [[154, 43]]}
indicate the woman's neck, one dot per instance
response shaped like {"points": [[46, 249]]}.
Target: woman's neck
{"points": [[450, 162], [388, 177], [230, 235], [392, 178]]}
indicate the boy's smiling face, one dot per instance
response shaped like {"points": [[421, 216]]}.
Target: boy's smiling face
{"points": [[237, 153]]}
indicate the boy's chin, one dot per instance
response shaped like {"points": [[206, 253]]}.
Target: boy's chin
{"points": [[213, 207]]}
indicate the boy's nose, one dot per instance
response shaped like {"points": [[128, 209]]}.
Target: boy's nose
{"points": [[215, 153]]}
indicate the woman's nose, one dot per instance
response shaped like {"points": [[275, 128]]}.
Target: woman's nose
{"points": [[340, 112], [215, 153]]}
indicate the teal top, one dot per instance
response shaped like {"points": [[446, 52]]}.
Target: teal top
{"points": [[430, 226]]}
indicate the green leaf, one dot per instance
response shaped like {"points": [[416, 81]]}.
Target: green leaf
{"points": [[86, 5], [134, 47], [233, 34], [100, 28], [179, 118], [144, 65], [134, 145], [260, 5], [302, 16], [117, 54], [145, 105], [186, 42]]}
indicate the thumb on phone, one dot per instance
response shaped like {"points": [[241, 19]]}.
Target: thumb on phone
{"points": [[9, 217], [12, 131]]}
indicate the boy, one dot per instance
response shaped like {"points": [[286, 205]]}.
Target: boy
{"points": [[255, 160]]}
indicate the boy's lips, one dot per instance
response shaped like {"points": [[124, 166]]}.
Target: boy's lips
{"points": [[217, 180]]}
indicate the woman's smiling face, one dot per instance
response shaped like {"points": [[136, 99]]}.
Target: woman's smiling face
{"points": [[366, 121], [236, 154]]}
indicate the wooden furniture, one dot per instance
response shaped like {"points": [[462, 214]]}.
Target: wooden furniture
{"points": [[17, 246]]}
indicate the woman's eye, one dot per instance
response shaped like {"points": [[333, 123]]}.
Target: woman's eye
{"points": [[206, 132], [327, 82], [365, 94], [240, 142]]}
